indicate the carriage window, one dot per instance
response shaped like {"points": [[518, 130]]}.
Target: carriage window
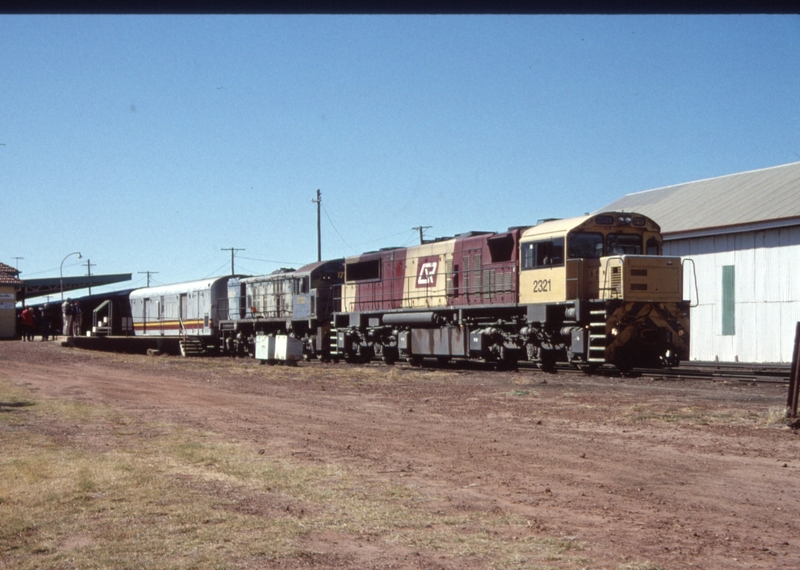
{"points": [[548, 253], [624, 244], [585, 245]]}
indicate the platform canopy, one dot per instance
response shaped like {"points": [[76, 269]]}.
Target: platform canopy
{"points": [[32, 288]]}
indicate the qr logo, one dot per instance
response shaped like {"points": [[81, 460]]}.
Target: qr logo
{"points": [[426, 277]]}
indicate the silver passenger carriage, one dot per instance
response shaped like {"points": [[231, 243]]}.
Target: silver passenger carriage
{"points": [[187, 310]]}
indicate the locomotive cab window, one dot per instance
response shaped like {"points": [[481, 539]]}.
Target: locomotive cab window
{"points": [[624, 244], [585, 245], [653, 247], [548, 253]]}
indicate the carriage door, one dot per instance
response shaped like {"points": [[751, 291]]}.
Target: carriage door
{"points": [[184, 307], [144, 314]]}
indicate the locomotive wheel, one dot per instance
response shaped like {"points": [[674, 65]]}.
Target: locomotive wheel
{"points": [[353, 355], [389, 355], [414, 360], [508, 359], [547, 361], [624, 368]]}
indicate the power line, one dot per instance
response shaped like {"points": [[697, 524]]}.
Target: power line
{"points": [[271, 261], [217, 270], [337, 231]]}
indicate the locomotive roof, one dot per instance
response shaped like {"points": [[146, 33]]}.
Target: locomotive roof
{"points": [[555, 226], [309, 267], [282, 273], [565, 225]]}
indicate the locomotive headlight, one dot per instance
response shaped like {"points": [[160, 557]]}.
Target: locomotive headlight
{"points": [[681, 333], [614, 331]]}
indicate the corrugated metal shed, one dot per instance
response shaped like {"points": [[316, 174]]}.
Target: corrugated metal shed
{"points": [[768, 198], [740, 238]]}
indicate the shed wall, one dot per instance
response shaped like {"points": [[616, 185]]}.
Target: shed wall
{"points": [[766, 294]]}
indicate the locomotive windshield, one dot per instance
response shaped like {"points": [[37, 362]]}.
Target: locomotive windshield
{"points": [[586, 245], [624, 244], [591, 245]]}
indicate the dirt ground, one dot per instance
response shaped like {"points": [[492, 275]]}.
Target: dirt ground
{"points": [[678, 473]]}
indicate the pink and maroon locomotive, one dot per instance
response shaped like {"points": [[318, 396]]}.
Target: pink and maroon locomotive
{"points": [[589, 291]]}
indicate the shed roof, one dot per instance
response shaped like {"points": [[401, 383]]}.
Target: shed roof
{"points": [[736, 202]]}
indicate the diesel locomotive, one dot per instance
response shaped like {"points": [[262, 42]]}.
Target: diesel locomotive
{"points": [[589, 291]]}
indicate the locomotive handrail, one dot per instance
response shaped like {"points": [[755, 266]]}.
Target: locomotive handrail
{"points": [[694, 278], [477, 289], [605, 273]]}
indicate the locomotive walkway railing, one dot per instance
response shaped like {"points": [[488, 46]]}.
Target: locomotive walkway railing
{"points": [[477, 286]]}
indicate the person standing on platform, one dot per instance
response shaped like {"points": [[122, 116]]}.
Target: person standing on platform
{"points": [[76, 318], [44, 322], [27, 321], [66, 313]]}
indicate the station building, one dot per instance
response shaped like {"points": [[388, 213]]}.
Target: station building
{"points": [[742, 235], [9, 284]]}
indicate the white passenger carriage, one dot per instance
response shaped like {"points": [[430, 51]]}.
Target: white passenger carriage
{"points": [[186, 310]]}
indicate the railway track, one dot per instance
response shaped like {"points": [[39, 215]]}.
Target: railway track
{"points": [[768, 374]]}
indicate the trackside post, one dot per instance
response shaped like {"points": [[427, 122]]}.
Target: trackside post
{"points": [[794, 380]]}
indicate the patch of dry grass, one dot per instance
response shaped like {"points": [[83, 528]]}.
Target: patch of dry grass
{"points": [[640, 566], [86, 487], [696, 415], [774, 417]]}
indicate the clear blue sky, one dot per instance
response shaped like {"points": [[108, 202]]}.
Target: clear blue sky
{"points": [[151, 143]]}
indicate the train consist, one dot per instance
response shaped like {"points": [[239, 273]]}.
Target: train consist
{"points": [[590, 291]]}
